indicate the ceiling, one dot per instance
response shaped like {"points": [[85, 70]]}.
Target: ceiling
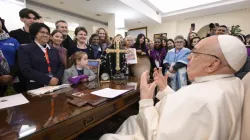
{"points": [[89, 9], [181, 15]]}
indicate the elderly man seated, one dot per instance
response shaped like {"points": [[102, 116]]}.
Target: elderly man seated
{"points": [[208, 109]]}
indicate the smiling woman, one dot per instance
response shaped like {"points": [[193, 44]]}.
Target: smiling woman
{"points": [[80, 43], [39, 63], [56, 42]]}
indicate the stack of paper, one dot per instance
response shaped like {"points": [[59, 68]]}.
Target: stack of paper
{"points": [[12, 100], [133, 84], [47, 89], [131, 56], [109, 93]]}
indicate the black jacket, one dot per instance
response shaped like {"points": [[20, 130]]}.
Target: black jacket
{"points": [[67, 43], [89, 51], [32, 63], [21, 36]]}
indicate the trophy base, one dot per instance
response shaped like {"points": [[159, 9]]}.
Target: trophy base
{"points": [[119, 76], [119, 79]]}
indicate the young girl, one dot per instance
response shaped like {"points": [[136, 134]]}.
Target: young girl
{"points": [[79, 67], [56, 42]]}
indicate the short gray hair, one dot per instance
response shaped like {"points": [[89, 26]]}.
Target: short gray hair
{"points": [[179, 37], [128, 37]]}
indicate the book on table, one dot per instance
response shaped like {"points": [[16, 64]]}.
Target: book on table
{"points": [[47, 89]]}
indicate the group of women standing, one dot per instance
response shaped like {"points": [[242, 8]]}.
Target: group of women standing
{"points": [[29, 58]]}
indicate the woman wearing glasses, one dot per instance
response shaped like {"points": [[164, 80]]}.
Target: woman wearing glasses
{"points": [[39, 63], [176, 61]]}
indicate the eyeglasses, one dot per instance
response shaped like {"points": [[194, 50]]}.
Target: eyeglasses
{"points": [[178, 42], [44, 33], [193, 52]]}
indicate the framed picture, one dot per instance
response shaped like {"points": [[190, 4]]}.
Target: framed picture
{"points": [[94, 66], [160, 35], [164, 35], [156, 36], [134, 32]]}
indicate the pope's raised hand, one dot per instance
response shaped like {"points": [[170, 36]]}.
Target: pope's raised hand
{"points": [[159, 79], [146, 90]]}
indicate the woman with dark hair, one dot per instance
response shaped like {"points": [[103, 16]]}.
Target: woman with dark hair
{"points": [[170, 44], [9, 47], [5, 76], [56, 40], [191, 35], [80, 43], [140, 44], [94, 41], [39, 63], [104, 38], [164, 44], [194, 41], [157, 55], [3, 25]]}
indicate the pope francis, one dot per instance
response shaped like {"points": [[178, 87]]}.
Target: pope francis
{"points": [[208, 109]]}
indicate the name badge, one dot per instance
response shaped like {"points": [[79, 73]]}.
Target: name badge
{"points": [[157, 63], [16, 80]]}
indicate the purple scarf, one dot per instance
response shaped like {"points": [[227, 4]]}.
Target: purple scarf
{"points": [[248, 51], [158, 54]]}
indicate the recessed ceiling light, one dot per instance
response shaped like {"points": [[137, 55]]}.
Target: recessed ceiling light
{"points": [[98, 15]]}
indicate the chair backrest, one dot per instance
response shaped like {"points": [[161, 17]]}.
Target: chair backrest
{"points": [[245, 128], [143, 64]]}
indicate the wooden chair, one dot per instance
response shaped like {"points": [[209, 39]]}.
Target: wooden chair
{"points": [[245, 128], [143, 64]]}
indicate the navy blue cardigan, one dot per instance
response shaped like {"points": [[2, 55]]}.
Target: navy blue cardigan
{"points": [[32, 63]]}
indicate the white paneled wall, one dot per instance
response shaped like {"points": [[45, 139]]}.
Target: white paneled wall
{"points": [[9, 11], [181, 27]]}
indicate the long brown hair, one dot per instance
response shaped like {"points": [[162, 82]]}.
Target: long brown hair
{"points": [[53, 33], [106, 36], [76, 56]]}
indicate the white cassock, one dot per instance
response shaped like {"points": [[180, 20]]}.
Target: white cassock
{"points": [[209, 109]]}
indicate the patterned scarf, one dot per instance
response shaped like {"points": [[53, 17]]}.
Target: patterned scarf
{"points": [[4, 35], [4, 66]]}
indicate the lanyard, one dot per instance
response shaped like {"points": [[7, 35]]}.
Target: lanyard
{"points": [[47, 60]]}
